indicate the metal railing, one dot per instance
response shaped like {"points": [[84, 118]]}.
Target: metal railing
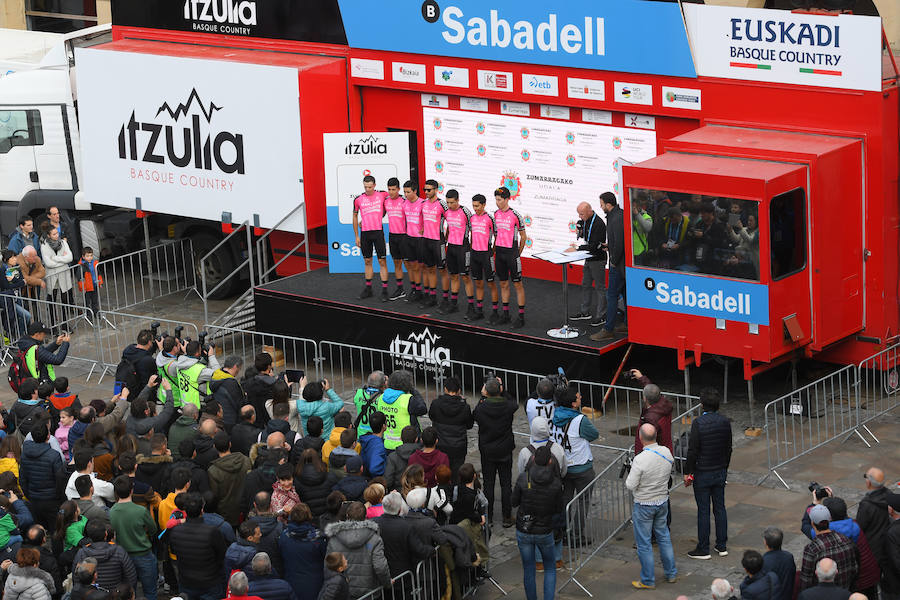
{"points": [[595, 515], [401, 587], [879, 384], [247, 262], [288, 352], [263, 273]]}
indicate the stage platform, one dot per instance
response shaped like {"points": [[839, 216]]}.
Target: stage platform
{"points": [[324, 306]]}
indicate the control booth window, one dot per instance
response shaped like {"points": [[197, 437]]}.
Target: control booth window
{"points": [[787, 221], [20, 128], [713, 235]]}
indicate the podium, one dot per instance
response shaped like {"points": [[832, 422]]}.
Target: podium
{"points": [[556, 257]]}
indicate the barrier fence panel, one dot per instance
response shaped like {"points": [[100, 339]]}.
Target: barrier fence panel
{"points": [[402, 587], [140, 276], [595, 515], [118, 330], [288, 352], [879, 384], [810, 417]]}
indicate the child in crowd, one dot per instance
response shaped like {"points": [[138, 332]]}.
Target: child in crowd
{"points": [[66, 420], [284, 495], [336, 585], [374, 494], [469, 508], [340, 455], [91, 280], [69, 525], [62, 397], [10, 454]]}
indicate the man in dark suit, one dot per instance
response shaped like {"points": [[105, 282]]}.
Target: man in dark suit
{"points": [[826, 570]]}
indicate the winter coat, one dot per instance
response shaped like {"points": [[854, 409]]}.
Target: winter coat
{"points": [[660, 416], [154, 471], [226, 478], [403, 545], [335, 587], [337, 460], [92, 511], [362, 546], [221, 524], [144, 366], [259, 479], [139, 426], [40, 470], [709, 445], [183, 428], [258, 390], [869, 570], [28, 583], [238, 555], [200, 549], [199, 476], [426, 528], [325, 408], [279, 426], [430, 461], [352, 486], [18, 240], [333, 442], [302, 548], [57, 264], [452, 418], [540, 436], [313, 487], [48, 564], [764, 586], [243, 436], [873, 519], [615, 238], [227, 391], [782, 564], [539, 495], [206, 451], [271, 529], [463, 548], [890, 575], [33, 273], [47, 354], [397, 462], [495, 435], [373, 454], [113, 563], [269, 587]]}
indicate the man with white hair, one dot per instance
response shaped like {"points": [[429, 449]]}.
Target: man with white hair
{"points": [[722, 590], [403, 546], [826, 571], [32, 269], [238, 586], [263, 583]]}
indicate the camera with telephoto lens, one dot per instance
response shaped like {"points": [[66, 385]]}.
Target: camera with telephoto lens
{"points": [[559, 379], [154, 330], [820, 491], [178, 331], [204, 347], [489, 375]]}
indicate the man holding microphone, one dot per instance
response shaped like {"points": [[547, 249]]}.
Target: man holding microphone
{"points": [[591, 230]]}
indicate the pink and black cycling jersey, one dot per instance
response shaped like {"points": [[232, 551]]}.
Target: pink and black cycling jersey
{"points": [[457, 225], [482, 228], [432, 212], [370, 209], [413, 212], [396, 216], [508, 222]]}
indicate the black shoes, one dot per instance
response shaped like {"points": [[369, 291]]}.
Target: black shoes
{"points": [[505, 319], [519, 323], [366, 293], [398, 293], [494, 318]]}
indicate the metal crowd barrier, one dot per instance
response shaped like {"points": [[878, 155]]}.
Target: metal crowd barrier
{"points": [[595, 515], [879, 382], [402, 587], [288, 352], [810, 417]]}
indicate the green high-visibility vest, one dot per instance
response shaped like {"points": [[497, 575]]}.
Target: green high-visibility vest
{"points": [[31, 361], [176, 391], [397, 418], [189, 384]]}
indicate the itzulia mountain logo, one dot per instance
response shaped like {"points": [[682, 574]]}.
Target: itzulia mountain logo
{"points": [[161, 141], [369, 145]]}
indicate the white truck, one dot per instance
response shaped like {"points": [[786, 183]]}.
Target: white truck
{"points": [[41, 160]]}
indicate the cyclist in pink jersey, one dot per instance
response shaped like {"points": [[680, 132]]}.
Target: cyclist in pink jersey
{"points": [[433, 246], [456, 218], [412, 253], [510, 225], [368, 212], [481, 266], [393, 206]]}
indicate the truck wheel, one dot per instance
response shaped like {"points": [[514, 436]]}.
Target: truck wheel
{"points": [[217, 267]]}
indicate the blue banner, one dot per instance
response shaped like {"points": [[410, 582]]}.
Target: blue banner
{"points": [[344, 255], [630, 36], [700, 295]]}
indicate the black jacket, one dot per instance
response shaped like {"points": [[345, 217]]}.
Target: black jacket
{"points": [[243, 436], [426, 527], [452, 418], [113, 564], [49, 354], [709, 445], [199, 478], [144, 365], [890, 574], [764, 586], [41, 471], [465, 506], [206, 452], [824, 591], [313, 488], [154, 471], [403, 546], [396, 462], [230, 396], [352, 486], [593, 235], [615, 236], [306, 442], [539, 495], [783, 565], [873, 519], [259, 479], [271, 529], [200, 549], [335, 586], [269, 587], [495, 435], [259, 389]]}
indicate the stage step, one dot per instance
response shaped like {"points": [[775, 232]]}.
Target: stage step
{"points": [[240, 315]]}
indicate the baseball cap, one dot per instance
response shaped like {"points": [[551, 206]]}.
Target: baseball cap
{"points": [[819, 513], [354, 464], [893, 501], [37, 327]]}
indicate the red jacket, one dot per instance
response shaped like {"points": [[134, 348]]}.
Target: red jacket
{"points": [[86, 283], [658, 415], [430, 461]]}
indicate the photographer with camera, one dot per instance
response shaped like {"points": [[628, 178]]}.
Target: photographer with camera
{"points": [[170, 349], [494, 415], [819, 493], [655, 410], [139, 359], [193, 370]]}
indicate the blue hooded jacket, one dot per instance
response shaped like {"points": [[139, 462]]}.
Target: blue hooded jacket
{"points": [[373, 454], [561, 417]]}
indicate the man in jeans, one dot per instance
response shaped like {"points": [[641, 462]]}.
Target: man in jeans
{"points": [[591, 229], [709, 454], [615, 236], [134, 529], [648, 482]]}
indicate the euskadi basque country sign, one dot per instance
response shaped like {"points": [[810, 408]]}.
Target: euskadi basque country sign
{"points": [[632, 36], [698, 295], [780, 46]]}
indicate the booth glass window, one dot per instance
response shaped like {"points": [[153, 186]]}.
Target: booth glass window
{"points": [[712, 235], [60, 16], [787, 225], [20, 128]]}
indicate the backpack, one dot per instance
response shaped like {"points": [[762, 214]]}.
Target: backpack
{"points": [[18, 371], [126, 374], [366, 410]]}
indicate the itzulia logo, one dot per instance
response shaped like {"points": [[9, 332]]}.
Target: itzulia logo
{"points": [[235, 12], [158, 143], [369, 145], [420, 347]]}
